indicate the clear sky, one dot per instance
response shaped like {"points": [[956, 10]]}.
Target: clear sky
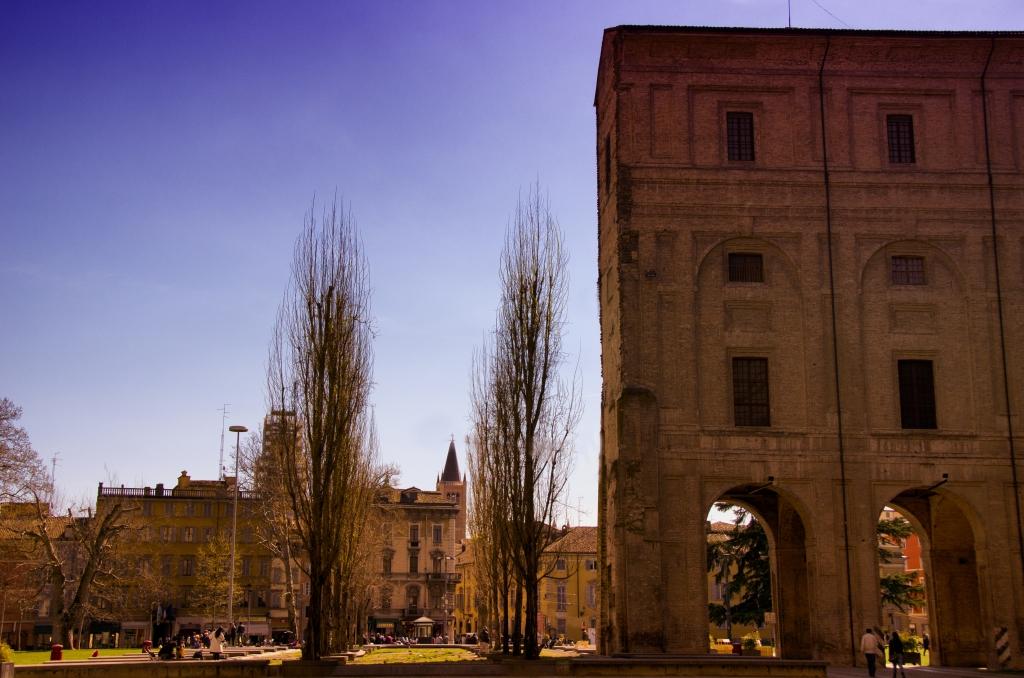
{"points": [[156, 159]]}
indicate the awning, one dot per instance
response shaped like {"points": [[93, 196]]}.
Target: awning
{"points": [[424, 620], [257, 628], [105, 627]]}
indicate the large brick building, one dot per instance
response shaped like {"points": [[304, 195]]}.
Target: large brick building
{"points": [[811, 271]]}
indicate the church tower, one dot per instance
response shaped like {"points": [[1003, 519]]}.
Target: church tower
{"points": [[452, 485]]}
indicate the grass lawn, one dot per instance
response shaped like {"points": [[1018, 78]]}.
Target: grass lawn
{"points": [[416, 655], [40, 656]]}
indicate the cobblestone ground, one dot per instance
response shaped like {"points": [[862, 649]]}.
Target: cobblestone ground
{"points": [[914, 672]]}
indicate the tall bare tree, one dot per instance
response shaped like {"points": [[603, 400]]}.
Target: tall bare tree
{"points": [[530, 410], [21, 471], [274, 524], [320, 367]]}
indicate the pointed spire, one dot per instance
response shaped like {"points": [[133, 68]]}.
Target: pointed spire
{"points": [[451, 465]]}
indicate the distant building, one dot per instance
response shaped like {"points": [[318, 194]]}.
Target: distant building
{"points": [[422, 533], [569, 588], [173, 525]]}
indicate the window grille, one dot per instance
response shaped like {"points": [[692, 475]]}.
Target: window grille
{"points": [[908, 271], [917, 394], [750, 391], [739, 127], [901, 138], [746, 267]]}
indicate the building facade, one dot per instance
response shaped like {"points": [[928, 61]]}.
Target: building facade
{"points": [[176, 531], [422, 534], [810, 279], [569, 588]]}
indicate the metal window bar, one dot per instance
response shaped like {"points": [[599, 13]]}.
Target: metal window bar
{"points": [[750, 391], [901, 139], [739, 127], [908, 271], [917, 394], [744, 267]]}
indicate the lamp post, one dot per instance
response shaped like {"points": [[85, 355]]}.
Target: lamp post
{"points": [[238, 431]]}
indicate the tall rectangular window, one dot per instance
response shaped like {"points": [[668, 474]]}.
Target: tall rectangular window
{"points": [[436, 529], [746, 267], [386, 565], [917, 394], [414, 533], [414, 562], [907, 270], [750, 391], [562, 598], [739, 130], [901, 138]]}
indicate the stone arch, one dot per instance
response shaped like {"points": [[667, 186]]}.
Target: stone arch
{"points": [[952, 548], [737, 319], [786, 524], [929, 322]]}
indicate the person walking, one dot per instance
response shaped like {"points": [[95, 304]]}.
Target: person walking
{"points": [[870, 646], [217, 643], [926, 644], [896, 654]]}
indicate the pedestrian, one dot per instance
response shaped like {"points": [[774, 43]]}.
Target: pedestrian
{"points": [[229, 633], [926, 643], [869, 645], [896, 654], [217, 643], [485, 640], [242, 640]]}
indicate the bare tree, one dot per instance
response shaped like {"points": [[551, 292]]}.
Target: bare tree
{"points": [[21, 470], [320, 367], [274, 521], [530, 411], [77, 554]]}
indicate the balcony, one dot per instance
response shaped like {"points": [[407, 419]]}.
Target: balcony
{"points": [[444, 576]]}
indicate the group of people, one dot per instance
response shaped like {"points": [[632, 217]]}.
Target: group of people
{"points": [[873, 644], [214, 641]]}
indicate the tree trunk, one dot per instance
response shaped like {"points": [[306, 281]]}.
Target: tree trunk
{"points": [[289, 590], [517, 625]]}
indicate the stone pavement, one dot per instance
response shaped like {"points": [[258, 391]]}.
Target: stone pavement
{"points": [[913, 672]]}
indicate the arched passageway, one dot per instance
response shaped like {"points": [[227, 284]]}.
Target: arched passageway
{"points": [[787, 553], [949, 550]]}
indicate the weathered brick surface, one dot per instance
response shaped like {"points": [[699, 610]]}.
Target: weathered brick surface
{"points": [[671, 209]]}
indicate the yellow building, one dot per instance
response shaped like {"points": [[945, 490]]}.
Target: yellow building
{"points": [[470, 611], [422, 530], [173, 527], [569, 589]]}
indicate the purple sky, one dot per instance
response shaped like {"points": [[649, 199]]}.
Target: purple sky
{"points": [[156, 160]]}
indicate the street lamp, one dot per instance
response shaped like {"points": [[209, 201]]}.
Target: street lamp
{"points": [[238, 431]]}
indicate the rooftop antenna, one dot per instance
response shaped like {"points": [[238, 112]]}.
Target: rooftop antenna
{"points": [[223, 420], [789, 13], [53, 474]]}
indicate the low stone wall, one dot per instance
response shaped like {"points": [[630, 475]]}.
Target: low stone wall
{"points": [[583, 667], [254, 668], [586, 667]]}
